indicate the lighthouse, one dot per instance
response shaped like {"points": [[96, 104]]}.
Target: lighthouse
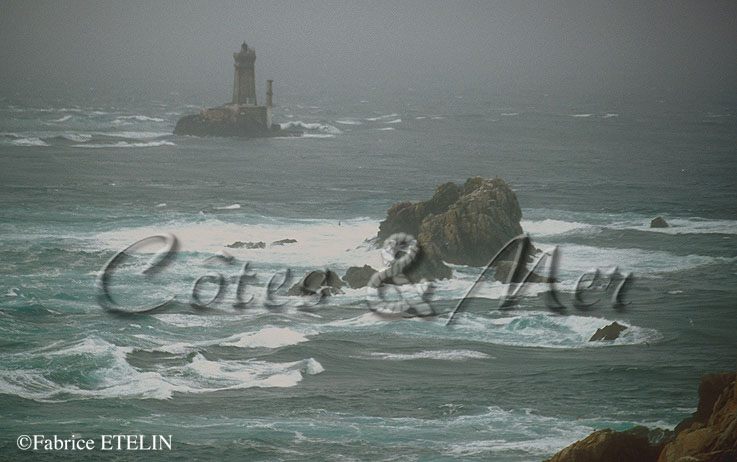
{"points": [[241, 117], [244, 82]]}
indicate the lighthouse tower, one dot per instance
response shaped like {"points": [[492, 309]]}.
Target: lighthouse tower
{"points": [[244, 84]]}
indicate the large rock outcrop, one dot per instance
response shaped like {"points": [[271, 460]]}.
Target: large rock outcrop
{"points": [[465, 225]]}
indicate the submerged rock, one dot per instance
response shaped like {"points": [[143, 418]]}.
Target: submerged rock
{"points": [[314, 281], [247, 245], [659, 222], [610, 332]]}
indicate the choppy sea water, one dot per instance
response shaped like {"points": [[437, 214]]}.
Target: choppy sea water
{"points": [[81, 179]]}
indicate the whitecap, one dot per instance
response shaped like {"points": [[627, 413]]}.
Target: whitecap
{"points": [[29, 141], [268, 337], [124, 144], [140, 118], [348, 122], [445, 355], [581, 115], [229, 207], [387, 116], [134, 134], [77, 137], [386, 129], [395, 121], [549, 227], [12, 292], [324, 128]]}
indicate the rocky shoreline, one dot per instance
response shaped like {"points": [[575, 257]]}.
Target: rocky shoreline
{"points": [[709, 435]]}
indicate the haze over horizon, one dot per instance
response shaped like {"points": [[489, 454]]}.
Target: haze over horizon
{"points": [[599, 48]]}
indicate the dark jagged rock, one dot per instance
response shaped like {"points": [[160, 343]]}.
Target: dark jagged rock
{"points": [[426, 266], [283, 242], [357, 277], [247, 245], [503, 268], [659, 222], [313, 281], [610, 332], [465, 225], [710, 388], [716, 438]]}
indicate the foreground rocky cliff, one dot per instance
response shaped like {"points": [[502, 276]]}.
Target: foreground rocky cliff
{"points": [[710, 435]]}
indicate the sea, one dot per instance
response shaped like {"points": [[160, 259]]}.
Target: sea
{"points": [[245, 372]]}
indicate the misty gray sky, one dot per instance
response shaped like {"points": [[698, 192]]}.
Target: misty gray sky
{"points": [[359, 46]]}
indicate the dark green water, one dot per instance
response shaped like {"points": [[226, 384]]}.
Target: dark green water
{"points": [[82, 178]]}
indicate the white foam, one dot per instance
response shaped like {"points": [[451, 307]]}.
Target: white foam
{"points": [[547, 330], [388, 116], [509, 114], [140, 118], [134, 135], [348, 122], [229, 207], [29, 141], [116, 378], [228, 375], [124, 144], [550, 227], [583, 116], [324, 128], [319, 242], [577, 259], [268, 337], [395, 121], [77, 137], [386, 129], [609, 115], [163, 204], [62, 119], [534, 329], [445, 355]]}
